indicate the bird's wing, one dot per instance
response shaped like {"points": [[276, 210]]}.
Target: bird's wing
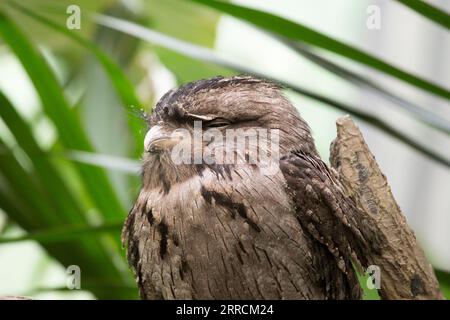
{"points": [[326, 212]]}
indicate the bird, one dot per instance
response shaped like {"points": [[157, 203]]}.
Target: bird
{"points": [[233, 230]]}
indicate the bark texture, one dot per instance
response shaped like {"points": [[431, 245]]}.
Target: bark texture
{"points": [[405, 271]]}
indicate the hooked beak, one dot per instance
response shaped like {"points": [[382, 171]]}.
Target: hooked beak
{"points": [[158, 139]]}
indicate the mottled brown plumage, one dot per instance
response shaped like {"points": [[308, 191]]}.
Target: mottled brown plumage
{"points": [[200, 231]]}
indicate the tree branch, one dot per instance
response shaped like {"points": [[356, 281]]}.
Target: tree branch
{"points": [[405, 271]]}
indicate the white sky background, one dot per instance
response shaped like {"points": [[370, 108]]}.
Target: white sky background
{"points": [[405, 39]]}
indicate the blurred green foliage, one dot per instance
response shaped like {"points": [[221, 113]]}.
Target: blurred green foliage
{"points": [[74, 207]]}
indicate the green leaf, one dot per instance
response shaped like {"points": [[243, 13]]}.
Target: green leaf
{"points": [[207, 55], [298, 32], [66, 203], [105, 161], [429, 118], [195, 25], [65, 233], [30, 206], [86, 254], [56, 107], [21, 193], [39, 200], [444, 281], [368, 294], [117, 77], [429, 11]]}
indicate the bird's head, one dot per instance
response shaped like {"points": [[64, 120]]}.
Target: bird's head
{"points": [[215, 109]]}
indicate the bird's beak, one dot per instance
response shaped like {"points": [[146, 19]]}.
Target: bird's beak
{"points": [[158, 139]]}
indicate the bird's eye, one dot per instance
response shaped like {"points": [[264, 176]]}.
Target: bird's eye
{"points": [[218, 123]]}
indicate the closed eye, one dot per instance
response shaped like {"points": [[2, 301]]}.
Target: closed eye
{"points": [[218, 123]]}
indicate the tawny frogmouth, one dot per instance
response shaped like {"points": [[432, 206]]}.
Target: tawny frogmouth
{"points": [[232, 230]]}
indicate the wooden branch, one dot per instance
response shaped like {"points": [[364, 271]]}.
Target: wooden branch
{"points": [[405, 271]]}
